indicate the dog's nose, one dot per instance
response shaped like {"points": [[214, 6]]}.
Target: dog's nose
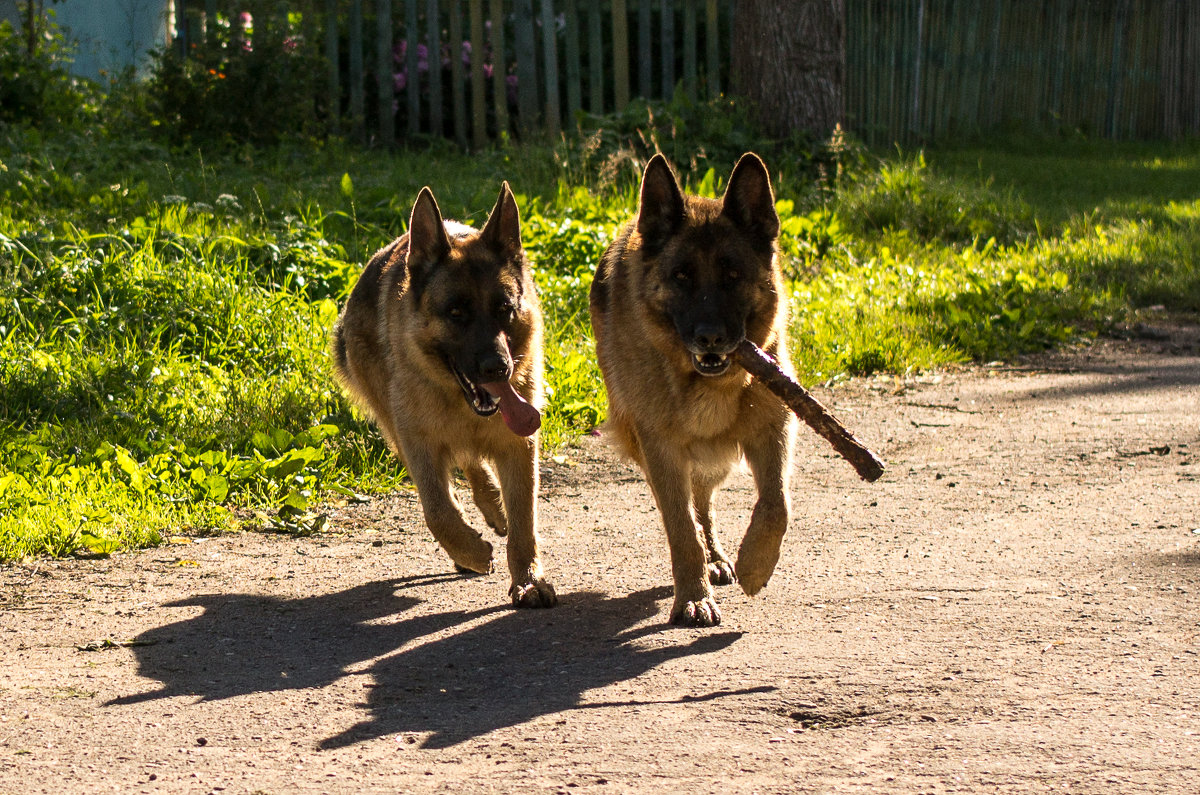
{"points": [[494, 368], [711, 336]]}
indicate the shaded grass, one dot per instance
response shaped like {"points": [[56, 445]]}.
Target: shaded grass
{"points": [[1062, 180]]}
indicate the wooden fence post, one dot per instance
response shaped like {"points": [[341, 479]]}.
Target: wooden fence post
{"points": [[993, 55], [433, 41], [668, 49], [412, 68], [712, 47], [210, 29], [385, 87], [620, 52], [689, 50], [1114, 107], [573, 69], [595, 60], [188, 27], [914, 124], [457, 95], [645, 47], [1189, 68], [237, 31], [525, 45], [357, 99], [499, 69], [478, 98], [553, 115], [334, 81], [1168, 65]]}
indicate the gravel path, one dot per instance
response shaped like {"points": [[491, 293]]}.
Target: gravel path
{"points": [[1014, 607]]}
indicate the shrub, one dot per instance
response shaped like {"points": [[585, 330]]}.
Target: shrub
{"points": [[35, 87], [251, 84]]}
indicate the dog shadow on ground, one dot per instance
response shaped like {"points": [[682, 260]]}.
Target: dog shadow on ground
{"points": [[506, 667]]}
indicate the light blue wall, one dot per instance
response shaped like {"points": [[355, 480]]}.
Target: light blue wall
{"points": [[109, 34]]}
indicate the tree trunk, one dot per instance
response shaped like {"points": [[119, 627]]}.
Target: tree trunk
{"points": [[789, 60], [35, 16]]}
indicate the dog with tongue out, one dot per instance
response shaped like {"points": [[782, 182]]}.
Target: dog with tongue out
{"points": [[440, 342]]}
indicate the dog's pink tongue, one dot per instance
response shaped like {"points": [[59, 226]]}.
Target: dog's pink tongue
{"points": [[520, 417]]}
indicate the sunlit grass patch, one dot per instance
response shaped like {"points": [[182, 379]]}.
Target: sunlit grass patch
{"points": [[56, 505]]}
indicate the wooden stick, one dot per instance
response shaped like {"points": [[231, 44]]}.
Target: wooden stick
{"points": [[807, 408]]}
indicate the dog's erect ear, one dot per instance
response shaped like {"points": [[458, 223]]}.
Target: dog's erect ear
{"points": [[427, 238], [660, 213], [749, 201], [502, 232]]}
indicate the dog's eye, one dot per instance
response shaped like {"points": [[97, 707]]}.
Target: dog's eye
{"points": [[729, 266], [681, 276], [456, 313]]}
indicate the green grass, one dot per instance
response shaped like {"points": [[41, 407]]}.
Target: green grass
{"points": [[164, 313], [1062, 180], [1120, 217]]}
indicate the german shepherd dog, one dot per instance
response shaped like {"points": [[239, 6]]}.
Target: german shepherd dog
{"points": [[441, 342], [674, 294]]}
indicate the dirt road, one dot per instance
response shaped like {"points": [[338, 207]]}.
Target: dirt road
{"points": [[1014, 607]]}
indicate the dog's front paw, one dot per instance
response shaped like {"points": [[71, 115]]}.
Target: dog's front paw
{"points": [[476, 559], [720, 572], [539, 593], [698, 613], [753, 574], [756, 563]]}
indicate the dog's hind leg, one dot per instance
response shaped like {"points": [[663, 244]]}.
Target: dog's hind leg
{"points": [[720, 567], [486, 493], [442, 513]]}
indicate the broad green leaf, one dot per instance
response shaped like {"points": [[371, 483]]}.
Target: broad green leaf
{"points": [[132, 470], [216, 488]]}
